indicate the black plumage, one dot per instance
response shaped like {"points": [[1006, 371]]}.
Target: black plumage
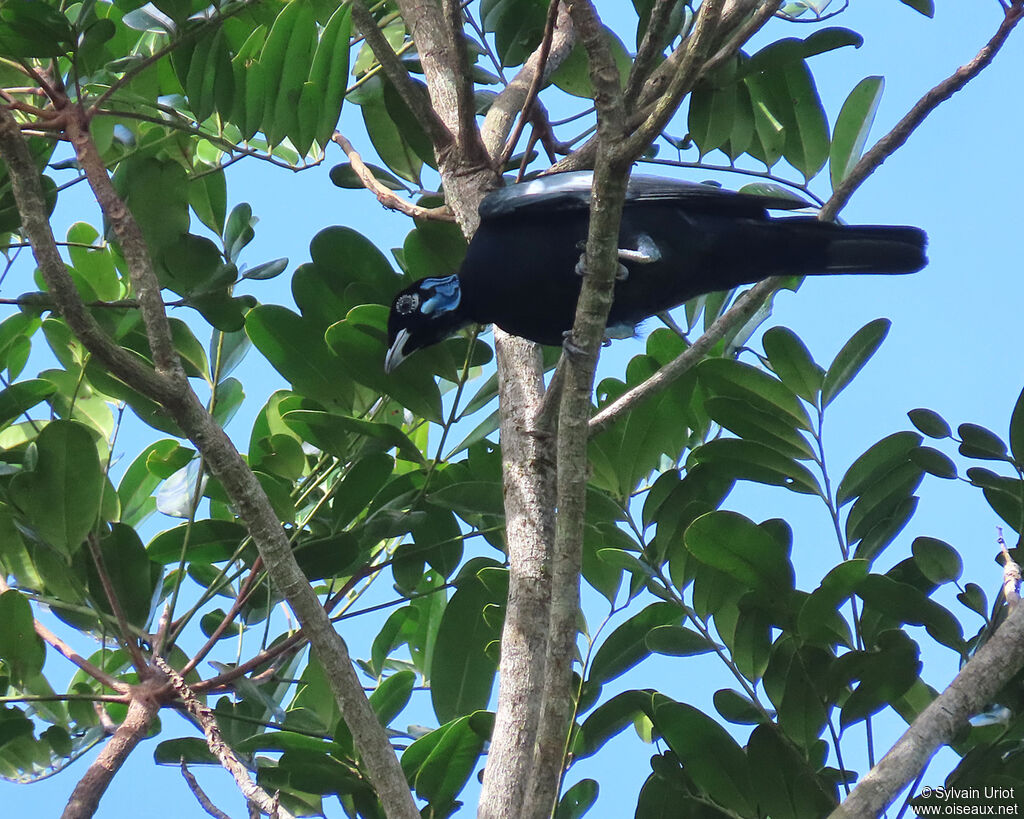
{"points": [[677, 240]]}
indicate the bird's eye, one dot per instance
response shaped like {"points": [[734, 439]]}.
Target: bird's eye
{"points": [[407, 304]]}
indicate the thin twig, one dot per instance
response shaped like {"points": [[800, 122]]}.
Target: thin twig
{"points": [[387, 197], [200, 795], [538, 78], [218, 747], [884, 148]]}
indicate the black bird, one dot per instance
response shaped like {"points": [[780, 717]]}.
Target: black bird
{"points": [[677, 240]]}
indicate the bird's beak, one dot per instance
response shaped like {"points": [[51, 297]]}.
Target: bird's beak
{"points": [[396, 355]]}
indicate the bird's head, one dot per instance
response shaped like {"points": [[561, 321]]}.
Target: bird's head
{"points": [[423, 314]]}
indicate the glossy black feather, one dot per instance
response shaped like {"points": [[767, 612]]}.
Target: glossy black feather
{"points": [[520, 268]]}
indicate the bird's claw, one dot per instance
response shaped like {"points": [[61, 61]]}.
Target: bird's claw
{"points": [[620, 275]]}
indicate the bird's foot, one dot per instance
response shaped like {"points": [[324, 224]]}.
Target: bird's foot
{"points": [[620, 275], [646, 251], [571, 348]]}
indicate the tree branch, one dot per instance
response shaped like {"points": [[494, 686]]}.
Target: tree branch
{"points": [[85, 798], [247, 496], [218, 747], [977, 684], [884, 148], [538, 77], [411, 93], [579, 361], [387, 197], [740, 313], [501, 115]]}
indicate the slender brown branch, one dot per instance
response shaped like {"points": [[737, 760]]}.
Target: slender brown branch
{"points": [[387, 197], [411, 93], [501, 115], [884, 148], [611, 172], [69, 653], [699, 49], [132, 645], [977, 684], [85, 798], [244, 490], [133, 247], [649, 50], [468, 135], [218, 747], [740, 313], [538, 78], [200, 795]]}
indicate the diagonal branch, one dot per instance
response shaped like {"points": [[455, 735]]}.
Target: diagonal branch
{"points": [[884, 148], [538, 77], [748, 304], [85, 798], [387, 197], [698, 51], [411, 93], [184, 407], [219, 748], [535, 71]]}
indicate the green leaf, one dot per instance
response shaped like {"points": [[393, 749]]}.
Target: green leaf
{"points": [[852, 127], [577, 800], [933, 462], [360, 341], [792, 362], [925, 7], [787, 786], [752, 424], [440, 769], [517, 25], [59, 498], [748, 460], [208, 196], [131, 576], [21, 649], [677, 641], [711, 115], [740, 548], [937, 560], [297, 350], [21, 397], [710, 756], [609, 719], [737, 380], [95, 264], [286, 62], [462, 671], [930, 423], [392, 695], [388, 140], [1017, 430], [879, 459], [978, 442], [329, 72], [737, 708], [854, 355], [626, 645], [209, 541]]}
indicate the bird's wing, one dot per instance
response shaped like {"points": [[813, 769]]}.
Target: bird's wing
{"points": [[571, 191]]}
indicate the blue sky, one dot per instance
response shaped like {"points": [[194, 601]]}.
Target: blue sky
{"points": [[952, 347]]}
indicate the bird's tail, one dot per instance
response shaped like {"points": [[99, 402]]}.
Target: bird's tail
{"points": [[861, 248]]}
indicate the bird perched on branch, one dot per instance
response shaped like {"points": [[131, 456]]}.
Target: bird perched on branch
{"points": [[523, 269]]}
